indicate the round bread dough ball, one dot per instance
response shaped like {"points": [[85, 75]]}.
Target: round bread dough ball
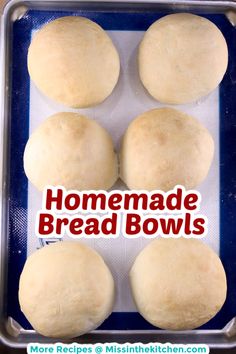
{"points": [[73, 151], [73, 61], [165, 147], [178, 284], [66, 290], [182, 57]]}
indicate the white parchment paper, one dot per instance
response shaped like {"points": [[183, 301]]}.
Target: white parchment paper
{"points": [[128, 100]]}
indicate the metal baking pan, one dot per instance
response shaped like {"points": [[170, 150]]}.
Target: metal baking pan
{"points": [[19, 19]]}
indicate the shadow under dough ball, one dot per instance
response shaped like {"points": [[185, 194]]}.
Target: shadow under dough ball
{"points": [[73, 151], [66, 290], [73, 61], [165, 147], [182, 57], [178, 284]]}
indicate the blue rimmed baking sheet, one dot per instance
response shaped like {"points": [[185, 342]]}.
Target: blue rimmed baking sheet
{"points": [[20, 127]]}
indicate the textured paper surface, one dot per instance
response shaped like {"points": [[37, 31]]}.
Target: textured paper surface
{"points": [[128, 100]]}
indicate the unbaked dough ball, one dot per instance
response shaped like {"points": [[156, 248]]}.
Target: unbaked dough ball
{"points": [[165, 147], [70, 150], [182, 57], [73, 61], [178, 284], [66, 290]]}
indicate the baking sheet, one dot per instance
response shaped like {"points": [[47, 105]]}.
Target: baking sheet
{"points": [[128, 100]]}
